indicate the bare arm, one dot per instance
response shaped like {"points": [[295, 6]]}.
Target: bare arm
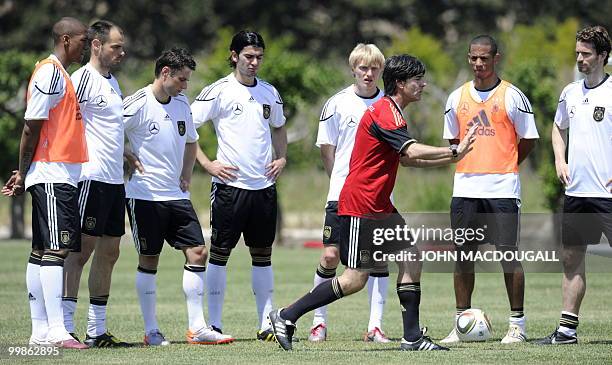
{"points": [[559, 142], [189, 158], [422, 155], [215, 168], [27, 148], [279, 143], [328, 156], [525, 147]]}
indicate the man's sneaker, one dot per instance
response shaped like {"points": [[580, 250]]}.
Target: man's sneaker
{"points": [[376, 335], [69, 344], [216, 329], [515, 335], [283, 329], [208, 336], [105, 340], [557, 338], [452, 337], [155, 338], [318, 333], [422, 344]]}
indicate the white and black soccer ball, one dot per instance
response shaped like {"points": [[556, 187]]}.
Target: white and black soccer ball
{"points": [[473, 325]]}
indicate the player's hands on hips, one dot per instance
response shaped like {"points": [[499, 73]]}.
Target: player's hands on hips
{"points": [[563, 172], [609, 184], [467, 143], [274, 168], [185, 183], [14, 185], [133, 163], [222, 171]]}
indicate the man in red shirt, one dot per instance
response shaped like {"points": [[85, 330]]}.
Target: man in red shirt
{"points": [[365, 209]]}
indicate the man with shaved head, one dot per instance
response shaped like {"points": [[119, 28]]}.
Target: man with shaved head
{"points": [[51, 152]]}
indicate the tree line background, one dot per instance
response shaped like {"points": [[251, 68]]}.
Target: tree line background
{"points": [[307, 46]]}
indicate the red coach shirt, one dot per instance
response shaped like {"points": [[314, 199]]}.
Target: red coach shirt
{"points": [[381, 136]]}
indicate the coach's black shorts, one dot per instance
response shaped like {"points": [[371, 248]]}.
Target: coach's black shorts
{"points": [[155, 221], [499, 219], [585, 219], [331, 226], [101, 207], [361, 238], [235, 211], [55, 217]]}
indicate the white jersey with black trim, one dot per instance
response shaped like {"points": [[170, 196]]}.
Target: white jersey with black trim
{"points": [[491, 186], [157, 134], [101, 104], [242, 116], [47, 90], [587, 112], [338, 123]]}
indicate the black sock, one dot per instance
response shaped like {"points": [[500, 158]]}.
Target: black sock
{"points": [[409, 295], [327, 292]]}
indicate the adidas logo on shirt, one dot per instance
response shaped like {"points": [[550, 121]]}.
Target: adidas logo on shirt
{"points": [[485, 128], [167, 117]]}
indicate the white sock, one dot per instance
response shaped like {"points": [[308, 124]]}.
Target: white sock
{"points": [[38, 313], [96, 320], [377, 294], [193, 287], [52, 281], [216, 282], [518, 322], [69, 307], [320, 314], [262, 282], [147, 296]]}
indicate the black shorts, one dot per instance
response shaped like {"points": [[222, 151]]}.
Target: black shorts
{"points": [[360, 239], [155, 221], [331, 226], [55, 217], [235, 211], [499, 218], [585, 219], [101, 207]]}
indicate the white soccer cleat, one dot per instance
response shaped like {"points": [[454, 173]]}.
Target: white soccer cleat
{"points": [[515, 335], [155, 338], [35, 341], [318, 333], [208, 336], [376, 335], [452, 337]]}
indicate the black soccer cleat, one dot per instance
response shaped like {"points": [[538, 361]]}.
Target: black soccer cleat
{"points": [[73, 335], [266, 335], [557, 338], [422, 344], [283, 329], [105, 340]]}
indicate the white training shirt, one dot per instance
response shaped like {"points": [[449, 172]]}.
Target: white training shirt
{"points": [[101, 104], [588, 115], [47, 90], [491, 186], [242, 116], [157, 133], [337, 127]]}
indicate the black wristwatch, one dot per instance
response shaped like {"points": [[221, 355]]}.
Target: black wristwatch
{"points": [[453, 149]]}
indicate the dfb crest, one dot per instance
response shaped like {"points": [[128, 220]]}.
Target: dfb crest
{"points": [[266, 111]]}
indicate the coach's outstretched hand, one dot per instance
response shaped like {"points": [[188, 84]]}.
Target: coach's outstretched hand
{"points": [[467, 143]]}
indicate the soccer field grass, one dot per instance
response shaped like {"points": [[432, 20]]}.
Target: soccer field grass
{"points": [[294, 269]]}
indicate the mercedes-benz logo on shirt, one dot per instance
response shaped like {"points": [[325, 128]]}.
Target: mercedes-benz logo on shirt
{"points": [[101, 101], [351, 121], [237, 108], [153, 128]]}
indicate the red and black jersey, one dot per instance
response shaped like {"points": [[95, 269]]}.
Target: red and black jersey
{"points": [[380, 138]]}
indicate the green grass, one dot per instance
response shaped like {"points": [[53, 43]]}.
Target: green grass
{"points": [[294, 268]]}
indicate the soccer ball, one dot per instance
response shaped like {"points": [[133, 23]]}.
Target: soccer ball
{"points": [[473, 325]]}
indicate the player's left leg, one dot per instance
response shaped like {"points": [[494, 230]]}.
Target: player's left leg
{"points": [[378, 283]]}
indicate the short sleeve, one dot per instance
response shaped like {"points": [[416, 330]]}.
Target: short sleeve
{"points": [[192, 134], [397, 138], [82, 81], [206, 106], [46, 90], [277, 116], [329, 125], [451, 124], [521, 114], [133, 111], [562, 116]]}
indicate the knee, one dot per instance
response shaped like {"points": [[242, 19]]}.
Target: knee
{"points": [[148, 263], [352, 282], [219, 255], [197, 255], [261, 256], [330, 258]]}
